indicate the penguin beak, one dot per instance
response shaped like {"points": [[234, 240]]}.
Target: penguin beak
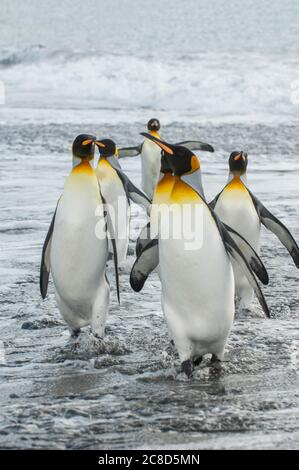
{"points": [[87, 142], [238, 157], [100, 144], [163, 145]]}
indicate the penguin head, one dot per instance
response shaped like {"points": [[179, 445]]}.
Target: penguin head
{"points": [[83, 146], [175, 157], [107, 147], [238, 162], [153, 125], [165, 166]]}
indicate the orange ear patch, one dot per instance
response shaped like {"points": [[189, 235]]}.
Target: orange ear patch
{"points": [[195, 165]]}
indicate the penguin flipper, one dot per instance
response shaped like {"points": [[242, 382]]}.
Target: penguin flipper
{"points": [[213, 203], [251, 256], [235, 253], [111, 233], [138, 196], [133, 193], [196, 145], [146, 262], [45, 261], [143, 239], [277, 227], [129, 151]]}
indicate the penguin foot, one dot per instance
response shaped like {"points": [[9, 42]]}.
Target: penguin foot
{"points": [[215, 362], [75, 333], [171, 349], [244, 309], [197, 360], [97, 336], [187, 368]]}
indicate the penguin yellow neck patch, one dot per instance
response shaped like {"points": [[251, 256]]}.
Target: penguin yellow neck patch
{"points": [[155, 134], [236, 184], [163, 189], [83, 168], [182, 193], [104, 169], [103, 162]]}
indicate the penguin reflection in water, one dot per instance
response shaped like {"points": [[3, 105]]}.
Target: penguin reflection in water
{"points": [[76, 248], [236, 206], [198, 283]]}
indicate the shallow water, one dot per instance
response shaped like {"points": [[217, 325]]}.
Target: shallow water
{"points": [[127, 391]]}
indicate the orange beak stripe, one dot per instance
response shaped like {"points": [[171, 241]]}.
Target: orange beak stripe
{"points": [[164, 147], [238, 157], [87, 142], [100, 144]]}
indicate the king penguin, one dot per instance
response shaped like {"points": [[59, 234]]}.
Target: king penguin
{"points": [[197, 282], [117, 191], [76, 248], [151, 156], [236, 206]]}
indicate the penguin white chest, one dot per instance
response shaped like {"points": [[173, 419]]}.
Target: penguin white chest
{"points": [[110, 184], [197, 288], [115, 196], [78, 255], [236, 209], [150, 166]]}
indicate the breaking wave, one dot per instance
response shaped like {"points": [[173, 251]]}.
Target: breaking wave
{"points": [[209, 84]]}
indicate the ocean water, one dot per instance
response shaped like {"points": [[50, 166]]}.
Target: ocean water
{"points": [[223, 72], [202, 59]]}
